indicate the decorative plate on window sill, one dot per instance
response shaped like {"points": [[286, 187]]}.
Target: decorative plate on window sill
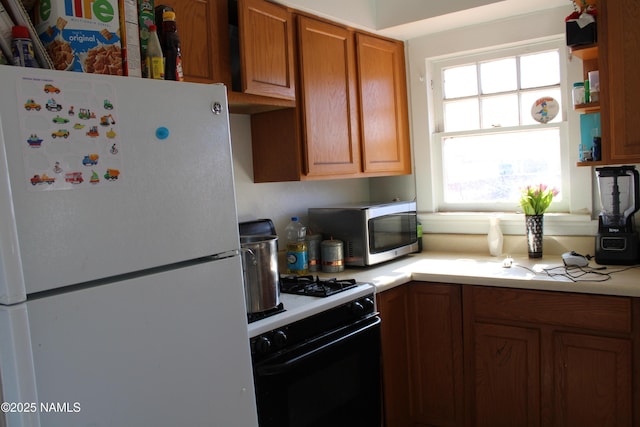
{"points": [[545, 109]]}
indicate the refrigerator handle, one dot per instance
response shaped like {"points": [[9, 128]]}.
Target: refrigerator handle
{"points": [[227, 254]]}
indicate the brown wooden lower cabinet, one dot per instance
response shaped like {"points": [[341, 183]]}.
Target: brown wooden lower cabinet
{"points": [[505, 380], [463, 355], [393, 305], [422, 355], [602, 397]]}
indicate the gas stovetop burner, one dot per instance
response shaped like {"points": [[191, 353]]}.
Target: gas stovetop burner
{"points": [[254, 317], [314, 286]]}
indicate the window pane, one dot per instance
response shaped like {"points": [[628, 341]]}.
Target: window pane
{"points": [[461, 115], [541, 69], [499, 76], [500, 111], [460, 81], [493, 168], [529, 98]]}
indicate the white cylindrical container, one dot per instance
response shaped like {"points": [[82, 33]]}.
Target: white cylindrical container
{"points": [[495, 237]]}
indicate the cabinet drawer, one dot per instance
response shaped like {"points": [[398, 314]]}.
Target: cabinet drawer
{"points": [[594, 312]]}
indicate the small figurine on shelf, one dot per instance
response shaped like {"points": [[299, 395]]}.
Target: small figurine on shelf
{"points": [[581, 23]]}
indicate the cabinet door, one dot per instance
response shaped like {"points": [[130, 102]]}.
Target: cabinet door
{"points": [[620, 85], [329, 101], [436, 363], [394, 312], [204, 53], [266, 46], [383, 104], [592, 381], [506, 376]]}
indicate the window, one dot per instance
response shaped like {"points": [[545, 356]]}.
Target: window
{"points": [[487, 138]]}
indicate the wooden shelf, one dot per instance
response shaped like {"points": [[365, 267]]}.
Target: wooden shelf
{"points": [[585, 52], [591, 163], [587, 108], [243, 103]]}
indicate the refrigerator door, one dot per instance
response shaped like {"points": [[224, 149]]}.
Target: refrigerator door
{"points": [[168, 349], [142, 178]]}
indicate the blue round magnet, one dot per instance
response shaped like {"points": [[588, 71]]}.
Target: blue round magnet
{"points": [[162, 132]]}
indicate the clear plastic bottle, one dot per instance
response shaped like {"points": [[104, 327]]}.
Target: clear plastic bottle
{"points": [[172, 53], [154, 61], [587, 92], [297, 256]]}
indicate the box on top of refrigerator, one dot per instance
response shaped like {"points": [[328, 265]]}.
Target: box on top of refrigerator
{"points": [[81, 35]]}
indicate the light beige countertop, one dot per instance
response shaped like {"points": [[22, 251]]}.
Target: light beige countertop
{"points": [[546, 273]]}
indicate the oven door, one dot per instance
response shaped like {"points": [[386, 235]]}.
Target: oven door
{"points": [[333, 380]]}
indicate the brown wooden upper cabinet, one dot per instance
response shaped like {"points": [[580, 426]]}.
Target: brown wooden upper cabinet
{"points": [[351, 118], [245, 44], [329, 99], [619, 57], [383, 103], [203, 55], [266, 49]]}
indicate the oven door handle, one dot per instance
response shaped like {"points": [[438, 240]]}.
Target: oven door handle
{"points": [[278, 368]]}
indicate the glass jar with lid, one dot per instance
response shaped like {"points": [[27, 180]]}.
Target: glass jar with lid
{"points": [[578, 93]]}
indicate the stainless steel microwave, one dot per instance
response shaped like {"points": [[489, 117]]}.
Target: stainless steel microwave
{"points": [[371, 232]]}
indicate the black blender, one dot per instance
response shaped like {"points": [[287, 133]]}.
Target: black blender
{"points": [[617, 240]]}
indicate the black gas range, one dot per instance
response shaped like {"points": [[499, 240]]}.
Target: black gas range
{"points": [[326, 342]]}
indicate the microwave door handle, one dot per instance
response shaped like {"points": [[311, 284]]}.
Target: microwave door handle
{"points": [[279, 368]]}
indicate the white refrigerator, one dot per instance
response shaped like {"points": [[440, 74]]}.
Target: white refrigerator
{"points": [[121, 293]]}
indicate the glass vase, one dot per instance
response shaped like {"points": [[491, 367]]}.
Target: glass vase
{"points": [[534, 226]]}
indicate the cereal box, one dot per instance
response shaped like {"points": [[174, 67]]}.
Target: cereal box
{"points": [[130, 38], [81, 35]]}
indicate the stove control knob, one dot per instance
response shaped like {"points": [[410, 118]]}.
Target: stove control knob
{"points": [[357, 308], [279, 338], [263, 345], [368, 304]]}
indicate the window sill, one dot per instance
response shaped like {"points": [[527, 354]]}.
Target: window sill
{"points": [[555, 224]]}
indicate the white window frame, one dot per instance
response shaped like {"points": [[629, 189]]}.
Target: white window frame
{"points": [[439, 218]]}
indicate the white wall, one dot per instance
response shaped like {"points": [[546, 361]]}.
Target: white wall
{"points": [[281, 200], [391, 13], [360, 13], [378, 14]]}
